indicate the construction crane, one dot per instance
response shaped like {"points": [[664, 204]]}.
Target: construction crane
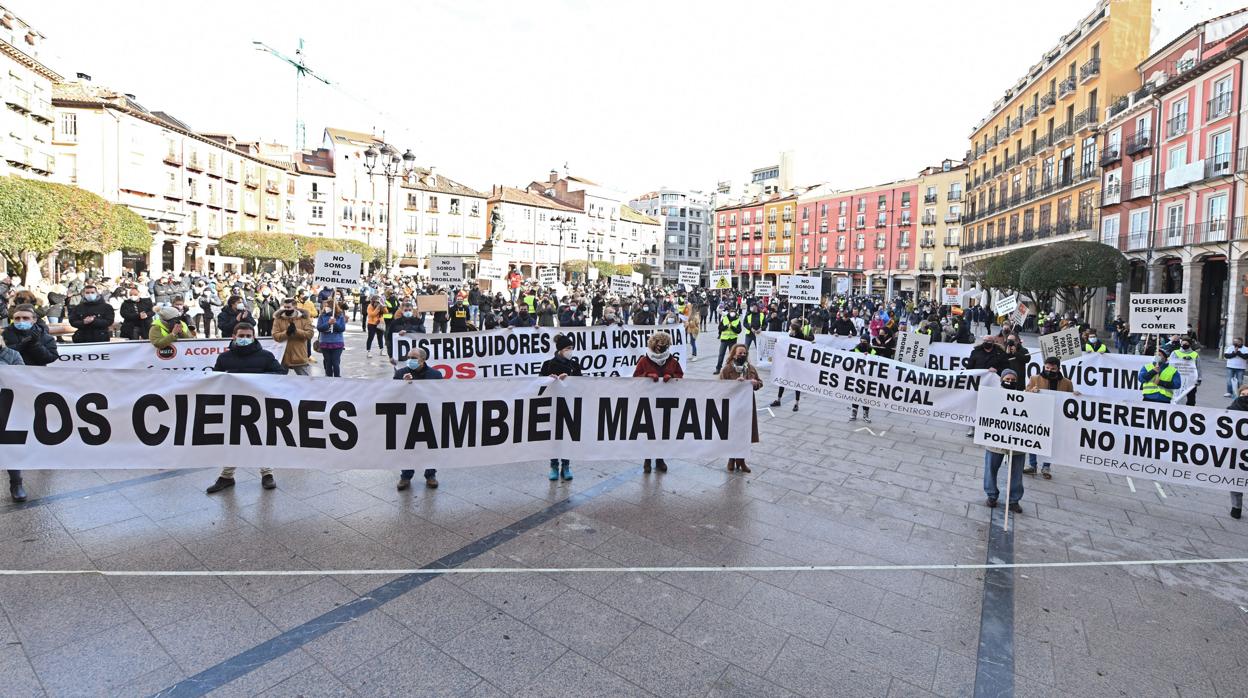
{"points": [[301, 71]]}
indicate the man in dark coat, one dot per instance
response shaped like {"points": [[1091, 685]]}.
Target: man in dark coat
{"points": [[245, 355], [92, 318], [417, 368]]}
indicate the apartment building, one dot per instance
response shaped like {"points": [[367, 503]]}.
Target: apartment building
{"points": [[1033, 169], [688, 217], [940, 227], [1172, 168], [645, 235], [537, 230], [739, 241], [26, 85]]}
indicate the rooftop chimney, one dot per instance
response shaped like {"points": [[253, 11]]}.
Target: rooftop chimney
{"points": [[554, 176], [84, 77], [433, 176]]}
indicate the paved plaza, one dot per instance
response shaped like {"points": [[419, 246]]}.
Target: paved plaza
{"points": [[824, 491]]}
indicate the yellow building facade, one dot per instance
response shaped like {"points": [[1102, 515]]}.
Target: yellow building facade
{"points": [[779, 216], [1032, 171]]}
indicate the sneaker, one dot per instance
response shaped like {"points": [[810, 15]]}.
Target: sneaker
{"points": [[431, 482], [368, 354], [992, 503], [853, 417], [566, 471], [866, 418], [1226, 395], [18, 492], [1044, 473], [1029, 470], [267, 482], [404, 483], [795, 406], [1016, 507], [221, 484], [554, 471], [775, 403]]}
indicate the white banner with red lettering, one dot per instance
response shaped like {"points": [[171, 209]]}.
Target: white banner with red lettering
{"points": [[182, 355]]}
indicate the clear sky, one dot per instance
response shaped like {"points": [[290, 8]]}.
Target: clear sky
{"points": [[635, 95]]}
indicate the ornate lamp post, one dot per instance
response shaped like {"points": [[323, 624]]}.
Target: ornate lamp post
{"points": [[564, 223], [392, 165]]}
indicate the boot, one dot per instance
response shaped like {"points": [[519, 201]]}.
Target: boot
{"points": [[732, 464], [660, 465], [645, 467], [566, 471], [267, 481], [221, 484], [741, 466], [554, 472], [17, 491]]}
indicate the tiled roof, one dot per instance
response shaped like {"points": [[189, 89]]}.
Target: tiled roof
{"points": [[511, 195], [441, 184], [633, 216], [342, 135], [582, 180]]}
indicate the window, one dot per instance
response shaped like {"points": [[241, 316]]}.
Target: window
{"points": [[433, 204], [68, 128], [905, 199], [1219, 160], [841, 208], [882, 201], [318, 212], [1174, 224], [1215, 218]]}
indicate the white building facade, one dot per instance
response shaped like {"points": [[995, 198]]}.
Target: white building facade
{"points": [[26, 85], [532, 235]]}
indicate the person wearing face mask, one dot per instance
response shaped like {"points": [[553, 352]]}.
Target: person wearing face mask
{"points": [[293, 327], [167, 328], [1239, 404], [1159, 381], [460, 315], [234, 312], [863, 347], [1185, 352], [331, 324], [92, 318], [658, 363], [266, 307], [755, 322], [796, 331], [1236, 361], [136, 315], [1094, 345], [407, 321], [729, 330], [25, 343], [560, 366], [417, 368], [739, 368], [523, 318], [245, 355], [993, 458], [1049, 378]]}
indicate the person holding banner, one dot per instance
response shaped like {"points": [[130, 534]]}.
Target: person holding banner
{"points": [[863, 347], [658, 363], [245, 355], [1159, 380], [1185, 352], [1240, 404], [994, 457], [1049, 378], [17, 491], [560, 366], [796, 331], [417, 368], [739, 368], [331, 324]]}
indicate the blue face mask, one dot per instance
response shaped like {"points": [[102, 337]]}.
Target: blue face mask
{"points": [[23, 325], [244, 341], [415, 364]]}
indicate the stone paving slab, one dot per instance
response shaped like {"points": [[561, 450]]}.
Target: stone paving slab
{"points": [[820, 493]]}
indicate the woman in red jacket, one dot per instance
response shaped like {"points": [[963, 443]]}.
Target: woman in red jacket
{"points": [[658, 364]]}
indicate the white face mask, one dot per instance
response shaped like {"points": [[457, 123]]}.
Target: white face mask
{"points": [[566, 354]]}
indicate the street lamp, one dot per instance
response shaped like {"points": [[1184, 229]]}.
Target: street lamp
{"points": [[392, 165], [564, 222]]}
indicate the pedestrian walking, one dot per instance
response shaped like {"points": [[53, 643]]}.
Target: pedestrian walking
{"points": [[560, 366]]}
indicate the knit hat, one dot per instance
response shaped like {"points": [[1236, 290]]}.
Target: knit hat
{"points": [[1009, 372], [1163, 351], [562, 341], [169, 312]]}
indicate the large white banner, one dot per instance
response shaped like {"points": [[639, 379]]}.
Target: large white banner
{"points": [[874, 381], [602, 351], [182, 355], [117, 419]]}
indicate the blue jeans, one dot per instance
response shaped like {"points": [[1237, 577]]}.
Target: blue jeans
{"points": [[1031, 460], [407, 474], [1234, 376], [992, 464], [333, 362]]}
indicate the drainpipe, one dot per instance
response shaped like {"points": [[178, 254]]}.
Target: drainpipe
{"points": [[1231, 281], [1153, 199]]}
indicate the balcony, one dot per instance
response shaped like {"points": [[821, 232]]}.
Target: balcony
{"points": [[951, 242], [997, 169], [1084, 224], [1210, 232], [929, 198], [1138, 142], [926, 267], [193, 163], [1086, 119], [1176, 126], [1218, 107], [173, 158], [1061, 133], [881, 224], [1089, 70], [1066, 87], [231, 174], [1218, 165], [1111, 194], [1010, 161], [1110, 154], [1031, 113], [172, 192], [929, 220], [950, 269], [1047, 101], [927, 242], [271, 187], [1119, 105], [1172, 236], [251, 182], [904, 242], [905, 221], [1012, 238], [1029, 234], [954, 196]]}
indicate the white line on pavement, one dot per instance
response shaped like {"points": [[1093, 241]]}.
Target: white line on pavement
{"points": [[1131, 484], [1159, 490], [630, 570]]}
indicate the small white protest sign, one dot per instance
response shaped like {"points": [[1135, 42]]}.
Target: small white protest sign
{"points": [[950, 295], [490, 269], [689, 275], [621, 285], [785, 281], [337, 269], [547, 275], [1006, 306], [1158, 313], [842, 285], [763, 289], [446, 270], [593, 273], [805, 289], [721, 279], [638, 278], [1188, 375], [912, 348], [1064, 345], [1012, 420]]}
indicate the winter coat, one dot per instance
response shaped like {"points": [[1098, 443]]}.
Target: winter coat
{"points": [[425, 373], [646, 368], [557, 365], [99, 329], [295, 332], [1039, 382], [37, 347], [8, 357], [331, 328], [249, 359], [730, 373], [133, 326], [983, 359]]}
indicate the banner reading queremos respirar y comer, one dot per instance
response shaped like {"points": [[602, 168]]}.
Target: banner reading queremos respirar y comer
{"points": [[874, 381], [117, 419], [602, 351], [1110, 376], [182, 355]]}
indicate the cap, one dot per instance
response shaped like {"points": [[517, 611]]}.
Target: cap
{"points": [[1008, 372], [562, 341]]}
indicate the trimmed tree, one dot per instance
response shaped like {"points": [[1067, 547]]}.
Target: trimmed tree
{"points": [[1074, 270], [258, 246], [1004, 273]]}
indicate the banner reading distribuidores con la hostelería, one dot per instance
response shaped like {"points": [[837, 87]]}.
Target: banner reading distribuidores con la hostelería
{"points": [[602, 351], [114, 419], [874, 381]]}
